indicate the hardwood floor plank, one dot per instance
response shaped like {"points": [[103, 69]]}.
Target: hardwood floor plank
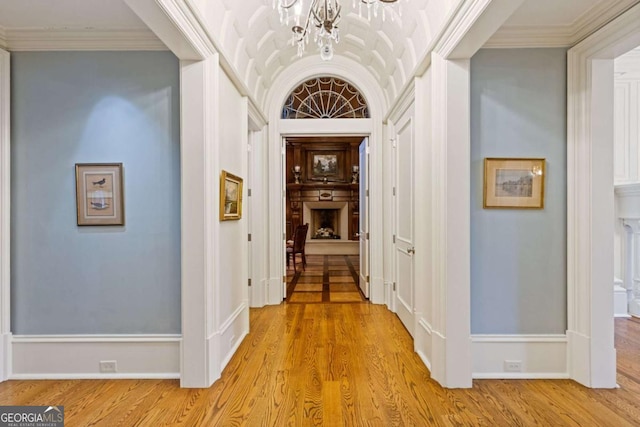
{"points": [[344, 365]]}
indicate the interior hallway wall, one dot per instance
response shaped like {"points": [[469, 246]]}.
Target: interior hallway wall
{"points": [[95, 107], [518, 257]]}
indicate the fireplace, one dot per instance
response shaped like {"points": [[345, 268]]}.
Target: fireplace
{"points": [[326, 224], [327, 220]]}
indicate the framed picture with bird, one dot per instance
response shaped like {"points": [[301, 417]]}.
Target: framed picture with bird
{"points": [[99, 195]]}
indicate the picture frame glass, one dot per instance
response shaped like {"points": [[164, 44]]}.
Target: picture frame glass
{"points": [[99, 195], [230, 196], [325, 164], [514, 183]]}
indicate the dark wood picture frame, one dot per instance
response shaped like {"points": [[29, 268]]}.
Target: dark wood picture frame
{"points": [[99, 194], [326, 165]]}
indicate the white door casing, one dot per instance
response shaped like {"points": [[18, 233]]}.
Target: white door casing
{"points": [[291, 77], [590, 212], [363, 226], [404, 293]]}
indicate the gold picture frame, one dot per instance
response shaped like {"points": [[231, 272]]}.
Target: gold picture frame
{"points": [[516, 183], [230, 196], [99, 194]]}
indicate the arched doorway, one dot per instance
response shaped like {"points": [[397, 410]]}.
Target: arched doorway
{"points": [[280, 129]]}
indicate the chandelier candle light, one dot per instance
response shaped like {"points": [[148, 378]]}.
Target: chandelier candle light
{"points": [[324, 15]]}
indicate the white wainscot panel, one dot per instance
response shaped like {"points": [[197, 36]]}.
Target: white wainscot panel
{"points": [[519, 356], [231, 334], [80, 356]]}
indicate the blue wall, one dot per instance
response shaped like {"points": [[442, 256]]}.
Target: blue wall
{"points": [[83, 107], [518, 257]]}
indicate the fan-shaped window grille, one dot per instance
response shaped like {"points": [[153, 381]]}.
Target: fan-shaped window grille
{"points": [[325, 98]]}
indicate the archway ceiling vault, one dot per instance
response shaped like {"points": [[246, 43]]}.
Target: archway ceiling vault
{"points": [[256, 46]]}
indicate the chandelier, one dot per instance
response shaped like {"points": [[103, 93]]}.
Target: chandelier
{"points": [[322, 17]]}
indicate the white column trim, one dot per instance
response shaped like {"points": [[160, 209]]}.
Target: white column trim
{"points": [[451, 234], [5, 216], [199, 189], [591, 356]]}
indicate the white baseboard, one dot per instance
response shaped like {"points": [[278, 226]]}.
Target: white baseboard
{"points": [[540, 356], [620, 302], [79, 356], [274, 290], [422, 341], [258, 292], [5, 356]]}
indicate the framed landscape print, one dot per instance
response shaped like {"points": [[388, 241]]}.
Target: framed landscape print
{"points": [[514, 183], [99, 194], [327, 164], [230, 196]]}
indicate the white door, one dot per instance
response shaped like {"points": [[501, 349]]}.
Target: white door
{"points": [[403, 250], [363, 226]]}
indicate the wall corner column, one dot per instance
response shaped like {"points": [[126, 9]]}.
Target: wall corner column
{"points": [[200, 363], [451, 361], [5, 220]]}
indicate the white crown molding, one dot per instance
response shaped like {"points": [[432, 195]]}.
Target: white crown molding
{"points": [[37, 39], [598, 16], [559, 35], [526, 36], [403, 102], [3, 38]]}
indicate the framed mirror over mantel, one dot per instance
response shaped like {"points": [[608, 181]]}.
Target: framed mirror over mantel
{"points": [[322, 186]]}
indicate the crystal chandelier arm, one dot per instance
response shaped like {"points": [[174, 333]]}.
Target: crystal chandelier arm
{"points": [[320, 21], [300, 32], [312, 11], [284, 5]]}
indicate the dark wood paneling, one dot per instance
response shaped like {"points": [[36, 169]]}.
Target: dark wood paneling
{"points": [[336, 187]]}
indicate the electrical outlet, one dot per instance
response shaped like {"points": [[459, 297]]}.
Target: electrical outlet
{"points": [[108, 366], [513, 365]]}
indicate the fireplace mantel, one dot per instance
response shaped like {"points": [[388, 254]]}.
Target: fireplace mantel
{"points": [[298, 194], [336, 186]]}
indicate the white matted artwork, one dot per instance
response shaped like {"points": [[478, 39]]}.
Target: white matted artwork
{"points": [[514, 183], [99, 195]]}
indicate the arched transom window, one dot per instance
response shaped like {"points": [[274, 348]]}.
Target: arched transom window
{"points": [[325, 98]]}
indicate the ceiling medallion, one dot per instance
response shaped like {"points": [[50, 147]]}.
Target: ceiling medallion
{"points": [[324, 16]]}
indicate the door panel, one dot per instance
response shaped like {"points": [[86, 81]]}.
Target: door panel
{"points": [[364, 218], [404, 286]]}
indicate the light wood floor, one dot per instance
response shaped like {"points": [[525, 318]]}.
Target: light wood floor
{"points": [[339, 364]]}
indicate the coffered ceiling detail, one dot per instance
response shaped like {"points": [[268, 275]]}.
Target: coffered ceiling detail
{"points": [[257, 49]]}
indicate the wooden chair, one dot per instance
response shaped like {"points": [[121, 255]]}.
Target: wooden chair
{"points": [[296, 246]]}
